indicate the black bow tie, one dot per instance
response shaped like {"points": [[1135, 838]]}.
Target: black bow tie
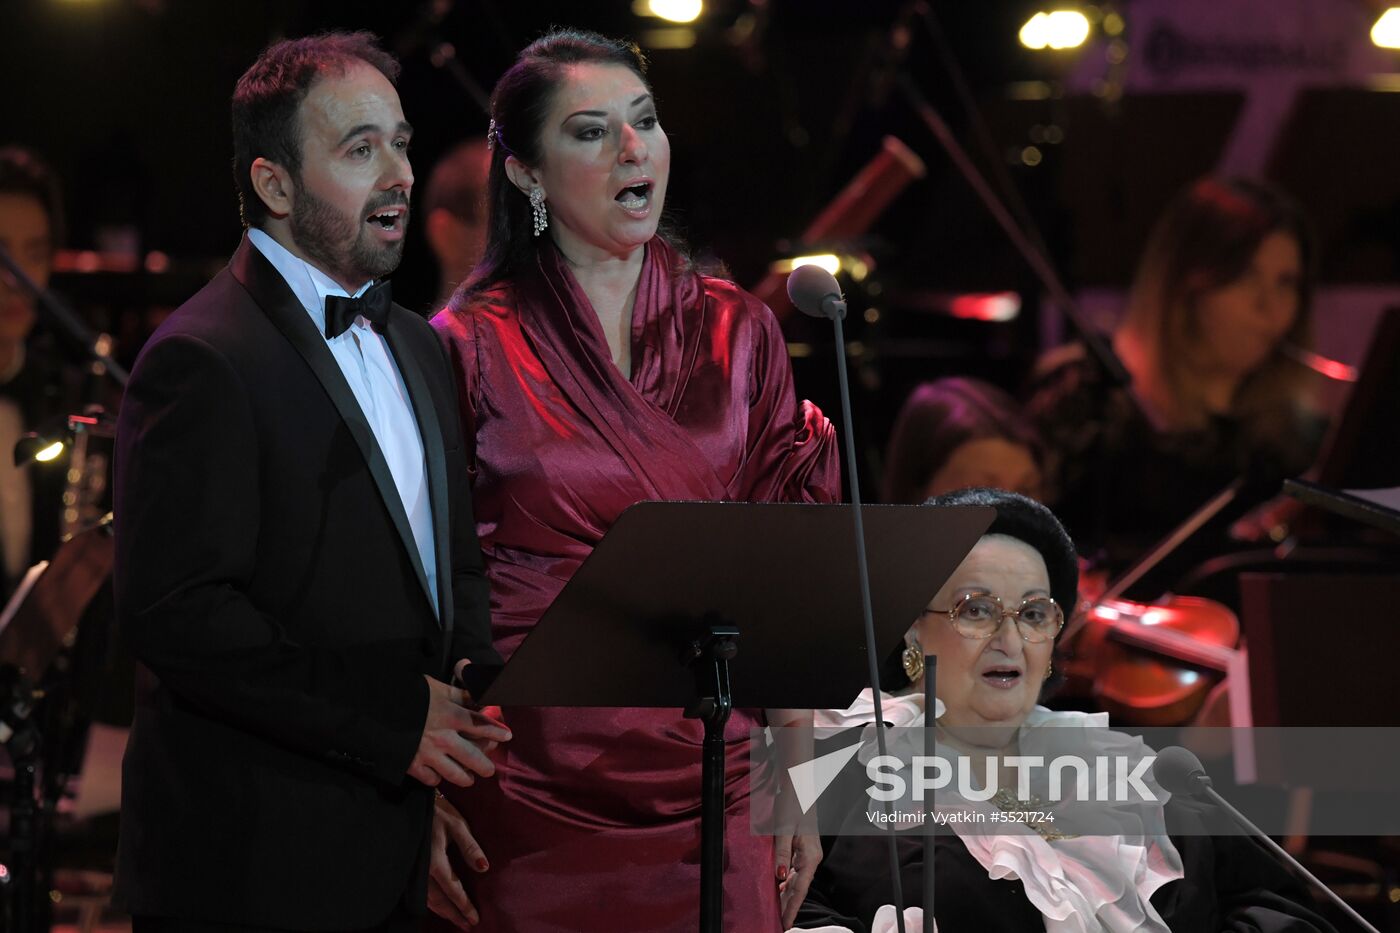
{"points": [[373, 305]]}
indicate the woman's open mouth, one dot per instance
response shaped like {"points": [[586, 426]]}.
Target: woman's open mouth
{"points": [[1003, 678], [635, 199]]}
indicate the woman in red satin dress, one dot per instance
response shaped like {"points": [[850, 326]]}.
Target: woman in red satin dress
{"points": [[598, 369]]}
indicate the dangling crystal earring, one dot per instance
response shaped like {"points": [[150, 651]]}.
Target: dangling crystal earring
{"points": [[1050, 668], [541, 212], [913, 661]]}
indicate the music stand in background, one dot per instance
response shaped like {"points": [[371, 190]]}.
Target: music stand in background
{"points": [[1281, 611], [1358, 452], [760, 602], [1377, 507]]}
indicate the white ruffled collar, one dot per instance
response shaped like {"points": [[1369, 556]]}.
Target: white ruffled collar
{"points": [[907, 709], [1086, 884]]}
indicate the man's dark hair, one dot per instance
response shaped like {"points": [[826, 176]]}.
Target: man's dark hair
{"points": [[266, 99], [23, 173]]}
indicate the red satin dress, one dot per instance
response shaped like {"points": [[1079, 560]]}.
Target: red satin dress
{"points": [[592, 822]]}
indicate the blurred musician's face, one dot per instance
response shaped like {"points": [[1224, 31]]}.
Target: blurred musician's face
{"points": [[988, 461], [26, 235], [604, 163], [1239, 325], [992, 681]]}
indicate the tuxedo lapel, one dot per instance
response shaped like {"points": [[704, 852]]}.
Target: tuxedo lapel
{"points": [[425, 413], [277, 301]]}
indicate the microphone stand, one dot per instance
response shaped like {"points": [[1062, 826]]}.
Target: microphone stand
{"points": [[834, 308], [1203, 788], [931, 824]]}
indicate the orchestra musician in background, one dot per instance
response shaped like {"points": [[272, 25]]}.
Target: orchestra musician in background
{"points": [[454, 213], [1223, 292], [37, 388], [958, 432]]}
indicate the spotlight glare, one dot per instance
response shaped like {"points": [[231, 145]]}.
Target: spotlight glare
{"points": [[50, 452], [1060, 29], [1386, 32], [995, 306], [828, 261], [676, 11]]}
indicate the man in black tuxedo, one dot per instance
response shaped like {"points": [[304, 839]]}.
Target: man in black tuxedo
{"points": [[297, 567]]}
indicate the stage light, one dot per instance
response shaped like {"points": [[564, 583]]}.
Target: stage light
{"points": [[828, 261], [1386, 32], [676, 11], [995, 306], [1060, 29], [34, 447], [670, 38], [50, 452]]}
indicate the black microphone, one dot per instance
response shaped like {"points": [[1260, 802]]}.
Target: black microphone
{"points": [[1181, 773], [814, 291]]}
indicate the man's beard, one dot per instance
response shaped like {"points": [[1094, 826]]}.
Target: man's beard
{"points": [[342, 246]]}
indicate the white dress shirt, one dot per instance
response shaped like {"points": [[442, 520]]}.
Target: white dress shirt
{"points": [[369, 367]]}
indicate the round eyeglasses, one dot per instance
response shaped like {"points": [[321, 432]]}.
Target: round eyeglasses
{"points": [[979, 615]]}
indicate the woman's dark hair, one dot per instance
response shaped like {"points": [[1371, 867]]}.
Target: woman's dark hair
{"points": [[1028, 521], [519, 105], [937, 419], [266, 99], [23, 173]]}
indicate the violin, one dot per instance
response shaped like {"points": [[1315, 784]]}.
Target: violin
{"points": [[1153, 664]]}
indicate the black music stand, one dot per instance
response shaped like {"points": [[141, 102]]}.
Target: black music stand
{"points": [[1371, 506], [674, 585]]}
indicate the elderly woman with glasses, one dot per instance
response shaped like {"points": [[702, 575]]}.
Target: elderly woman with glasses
{"points": [[992, 626]]}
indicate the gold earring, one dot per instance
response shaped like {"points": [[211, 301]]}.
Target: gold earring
{"points": [[1050, 668], [913, 660]]}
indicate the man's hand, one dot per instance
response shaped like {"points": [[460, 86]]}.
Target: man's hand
{"points": [[446, 897], [455, 739]]}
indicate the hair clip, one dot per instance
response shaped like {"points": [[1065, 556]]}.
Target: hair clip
{"points": [[491, 134]]}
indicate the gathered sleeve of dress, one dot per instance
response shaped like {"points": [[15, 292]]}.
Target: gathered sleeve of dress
{"points": [[791, 454]]}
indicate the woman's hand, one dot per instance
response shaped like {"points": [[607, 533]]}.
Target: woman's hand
{"points": [[446, 896], [798, 849], [797, 858]]}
